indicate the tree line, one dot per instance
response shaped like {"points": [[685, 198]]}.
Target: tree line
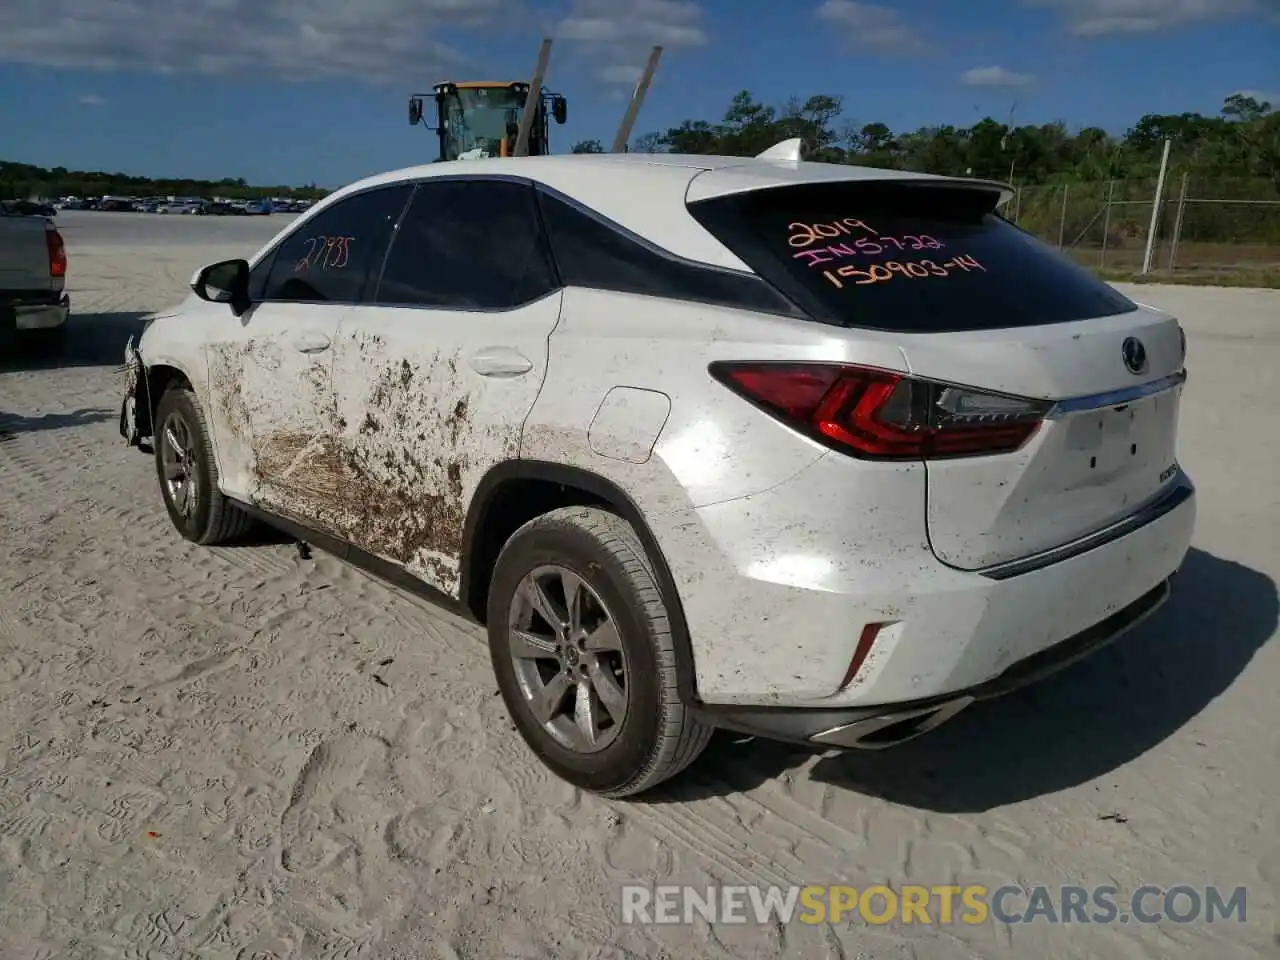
{"points": [[18, 181], [1243, 141]]}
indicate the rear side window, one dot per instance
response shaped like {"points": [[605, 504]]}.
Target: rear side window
{"points": [[328, 258], [469, 245], [907, 258], [595, 253]]}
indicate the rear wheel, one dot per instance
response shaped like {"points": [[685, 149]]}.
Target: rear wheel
{"points": [[188, 472], [582, 649]]}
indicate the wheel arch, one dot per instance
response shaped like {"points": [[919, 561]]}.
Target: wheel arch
{"points": [[157, 378], [484, 528]]}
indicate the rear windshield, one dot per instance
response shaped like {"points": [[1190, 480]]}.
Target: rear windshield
{"points": [[910, 258]]}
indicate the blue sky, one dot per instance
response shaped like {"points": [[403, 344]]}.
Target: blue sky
{"points": [[298, 91]]}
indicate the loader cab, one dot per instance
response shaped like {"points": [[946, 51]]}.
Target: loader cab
{"points": [[478, 119]]}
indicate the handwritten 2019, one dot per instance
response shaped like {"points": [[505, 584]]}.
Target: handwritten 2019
{"points": [[327, 253], [917, 269]]}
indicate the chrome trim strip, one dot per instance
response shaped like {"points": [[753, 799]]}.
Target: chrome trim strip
{"points": [[1116, 398], [1166, 502]]}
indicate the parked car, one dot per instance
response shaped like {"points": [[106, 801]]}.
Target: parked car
{"points": [[815, 452], [257, 208], [33, 273]]}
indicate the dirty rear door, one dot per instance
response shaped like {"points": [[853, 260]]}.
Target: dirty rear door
{"points": [[437, 372], [270, 371]]}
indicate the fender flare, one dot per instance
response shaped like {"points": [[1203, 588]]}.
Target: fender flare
{"points": [[620, 503]]}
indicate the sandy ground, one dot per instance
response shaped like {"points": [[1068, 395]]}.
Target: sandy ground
{"points": [[238, 753]]}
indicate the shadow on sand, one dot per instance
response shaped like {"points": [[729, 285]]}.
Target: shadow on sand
{"points": [[12, 424], [1067, 730], [92, 340]]}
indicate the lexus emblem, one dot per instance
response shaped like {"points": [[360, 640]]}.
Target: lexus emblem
{"points": [[1134, 354]]}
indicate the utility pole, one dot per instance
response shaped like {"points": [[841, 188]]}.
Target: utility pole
{"points": [[533, 101], [637, 99], [1155, 209]]}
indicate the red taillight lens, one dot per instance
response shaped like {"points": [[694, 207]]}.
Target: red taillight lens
{"points": [[882, 414], [57, 252]]}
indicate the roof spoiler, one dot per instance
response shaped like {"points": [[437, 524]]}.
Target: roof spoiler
{"points": [[789, 150]]}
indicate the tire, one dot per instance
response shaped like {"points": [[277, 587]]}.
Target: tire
{"points": [[212, 519], [658, 735]]}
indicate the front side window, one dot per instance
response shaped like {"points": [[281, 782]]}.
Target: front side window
{"points": [[468, 245], [911, 258], [328, 258]]}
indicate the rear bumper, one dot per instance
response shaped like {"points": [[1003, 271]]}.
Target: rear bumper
{"points": [[778, 588], [40, 316], [872, 728]]}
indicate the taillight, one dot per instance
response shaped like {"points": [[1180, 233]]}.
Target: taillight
{"points": [[57, 251], [883, 415]]}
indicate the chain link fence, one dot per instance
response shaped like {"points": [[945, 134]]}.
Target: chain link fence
{"points": [[1210, 230]]}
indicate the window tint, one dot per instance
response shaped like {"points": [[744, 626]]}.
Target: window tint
{"points": [[591, 253], [468, 244], [329, 257], [920, 259]]}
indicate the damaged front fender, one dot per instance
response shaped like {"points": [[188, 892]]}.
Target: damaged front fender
{"points": [[135, 409]]}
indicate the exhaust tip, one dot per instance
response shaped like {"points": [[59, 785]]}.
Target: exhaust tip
{"points": [[890, 729]]}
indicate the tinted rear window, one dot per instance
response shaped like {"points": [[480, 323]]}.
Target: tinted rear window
{"points": [[918, 259]]}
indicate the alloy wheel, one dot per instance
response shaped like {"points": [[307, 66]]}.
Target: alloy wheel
{"points": [[568, 658], [177, 458]]}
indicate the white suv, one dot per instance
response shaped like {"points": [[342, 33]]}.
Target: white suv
{"points": [[814, 452]]}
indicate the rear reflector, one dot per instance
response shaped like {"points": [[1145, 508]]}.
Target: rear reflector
{"points": [[882, 414], [57, 251]]}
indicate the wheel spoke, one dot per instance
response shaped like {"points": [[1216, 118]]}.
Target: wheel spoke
{"points": [[548, 701], [181, 498], [172, 471], [574, 595], [611, 695], [530, 646], [586, 713], [604, 638], [546, 607], [171, 438]]}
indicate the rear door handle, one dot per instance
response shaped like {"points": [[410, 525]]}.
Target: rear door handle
{"points": [[500, 362], [312, 343]]}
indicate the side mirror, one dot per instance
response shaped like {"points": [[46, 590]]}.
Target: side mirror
{"points": [[415, 111], [559, 108], [224, 282]]}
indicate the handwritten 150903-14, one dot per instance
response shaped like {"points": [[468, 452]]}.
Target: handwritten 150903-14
{"points": [[867, 242]]}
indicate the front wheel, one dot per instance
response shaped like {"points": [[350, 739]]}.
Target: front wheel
{"points": [[188, 472], [582, 650]]}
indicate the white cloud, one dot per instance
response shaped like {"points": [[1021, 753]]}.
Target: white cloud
{"points": [[995, 77], [376, 40], [619, 33], [1095, 18], [621, 74], [872, 27], [671, 23], [90, 100], [1262, 96]]}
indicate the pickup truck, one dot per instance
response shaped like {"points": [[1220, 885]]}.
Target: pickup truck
{"points": [[33, 273]]}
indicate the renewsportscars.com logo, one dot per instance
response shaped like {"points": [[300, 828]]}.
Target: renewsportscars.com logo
{"points": [[972, 904]]}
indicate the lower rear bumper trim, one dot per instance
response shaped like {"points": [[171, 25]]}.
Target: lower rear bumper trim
{"points": [[875, 727]]}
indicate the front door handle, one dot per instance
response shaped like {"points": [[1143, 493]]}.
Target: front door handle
{"points": [[500, 362], [312, 343]]}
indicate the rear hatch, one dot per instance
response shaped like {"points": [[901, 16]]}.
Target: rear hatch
{"points": [[995, 327], [24, 255]]}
